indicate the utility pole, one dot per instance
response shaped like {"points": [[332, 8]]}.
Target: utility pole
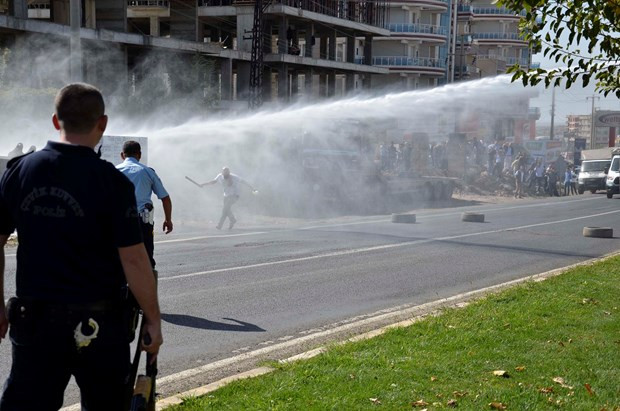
{"points": [[592, 128], [551, 132]]}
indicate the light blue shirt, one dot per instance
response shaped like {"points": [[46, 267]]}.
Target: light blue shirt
{"points": [[144, 179]]}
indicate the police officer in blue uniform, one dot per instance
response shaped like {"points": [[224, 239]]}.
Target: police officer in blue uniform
{"points": [[80, 243], [146, 181]]}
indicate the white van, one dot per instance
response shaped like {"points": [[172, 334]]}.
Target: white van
{"points": [[592, 176], [612, 183]]}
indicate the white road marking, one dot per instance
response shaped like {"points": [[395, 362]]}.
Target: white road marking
{"points": [[180, 240], [379, 247]]}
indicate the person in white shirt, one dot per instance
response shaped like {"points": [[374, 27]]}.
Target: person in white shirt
{"points": [[230, 183]]}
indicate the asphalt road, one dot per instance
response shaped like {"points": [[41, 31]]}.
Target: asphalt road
{"points": [[223, 293]]}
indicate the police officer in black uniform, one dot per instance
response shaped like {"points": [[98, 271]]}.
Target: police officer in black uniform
{"points": [[80, 243]]}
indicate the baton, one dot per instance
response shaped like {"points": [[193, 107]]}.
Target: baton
{"points": [[133, 373], [192, 181]]}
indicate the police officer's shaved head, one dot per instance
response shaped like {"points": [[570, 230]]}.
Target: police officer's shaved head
{"points": [[78, 107], [225, 172], [132, 148]]}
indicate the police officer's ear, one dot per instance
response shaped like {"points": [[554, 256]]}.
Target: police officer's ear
{"points": [[102, 123], [56, 122]]}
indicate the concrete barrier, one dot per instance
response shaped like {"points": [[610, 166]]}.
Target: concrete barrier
{"points": [[403, 218], [598, 232], [472, 217]]}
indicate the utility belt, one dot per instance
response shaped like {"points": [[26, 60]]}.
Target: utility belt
{"points": [[147, 214], [28, 316]]}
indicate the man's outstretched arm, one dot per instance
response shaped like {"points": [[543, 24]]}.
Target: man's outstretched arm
{"points": [[209, 183]]}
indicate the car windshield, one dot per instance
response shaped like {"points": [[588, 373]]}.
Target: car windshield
{"points": [[590, 166], [615, 164]]}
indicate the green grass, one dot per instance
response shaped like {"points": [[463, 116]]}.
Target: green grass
{"points": [[567, 326]]}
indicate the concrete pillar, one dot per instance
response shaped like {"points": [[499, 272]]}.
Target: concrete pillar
{"points": [[18, 8], [349, 84], [282, 38], [350, 57], [323, 47], [226, 79], [266, 85], [184, 20], [368, 50], [75, 65], [111, 15], [309, 82], [154, 20], [332, 45], [309, 40], [331, 84], [295, 85], [245, 22], [243, 80], [323, 85], [283, 83]]}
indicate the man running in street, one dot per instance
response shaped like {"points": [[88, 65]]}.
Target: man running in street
{"points": [[230, 183]]}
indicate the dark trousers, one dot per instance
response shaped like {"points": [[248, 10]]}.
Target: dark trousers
{"points": [[45, 356], [227, 210], [147, 236]]}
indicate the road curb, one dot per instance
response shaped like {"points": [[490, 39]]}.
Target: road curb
{"points": [[419, 312]]}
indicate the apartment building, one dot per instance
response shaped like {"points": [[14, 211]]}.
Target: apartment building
{"points": [[307, 45], [580, 126], [487, 40], [415, 53]]}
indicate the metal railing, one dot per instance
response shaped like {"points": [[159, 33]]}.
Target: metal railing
{"points": [[149, 3], [417, 28], [396, 61], [497, 36], [497, 11], [359, 60], [535, 65], [510, 61], [522, 61], [39, 6], [465, 8]]}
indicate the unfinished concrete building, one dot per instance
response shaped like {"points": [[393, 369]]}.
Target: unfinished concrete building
{"points": [[310, 48]]}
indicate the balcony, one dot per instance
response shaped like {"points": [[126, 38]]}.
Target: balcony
{"points": [[533, 113], [417, 28], [497, 11], [39, 11], [494, 37], [522, 61], [436, 4], [535, 65], [407, 62], [465, 8]]}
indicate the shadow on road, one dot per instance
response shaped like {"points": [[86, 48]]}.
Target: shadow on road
{"points": [[204, 324]]}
